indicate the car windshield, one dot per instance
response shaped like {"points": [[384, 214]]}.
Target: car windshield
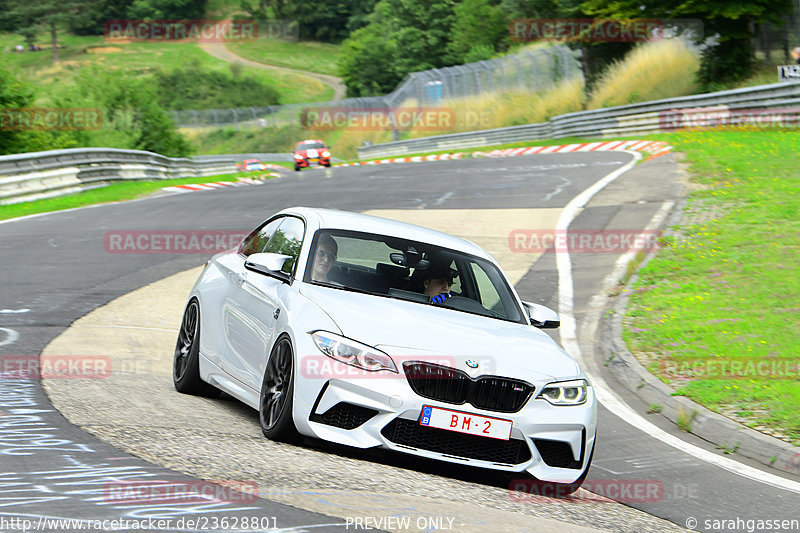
{"points": [[307, 146], [397, 268]]}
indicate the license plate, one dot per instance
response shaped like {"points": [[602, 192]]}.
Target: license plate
{"points": [[314, 160], [483, 426]]}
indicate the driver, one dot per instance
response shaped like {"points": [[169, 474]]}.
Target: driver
{"points": [[324, 258]]}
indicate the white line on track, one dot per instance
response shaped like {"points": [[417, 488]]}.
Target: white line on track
{"points": [[605, 395], [443, 198], [11, 336]]}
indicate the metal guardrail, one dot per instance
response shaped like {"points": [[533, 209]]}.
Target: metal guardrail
{"points": [[37, 175], [632, 119]]}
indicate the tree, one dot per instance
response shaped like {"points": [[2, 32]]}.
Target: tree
{"points": [[403, 36], [167, 9], [16, 94], [321, 20], [132, 117], [264, 9], [29, 17], [595, 56], [479, 27], [366, 62], [729, 54]]}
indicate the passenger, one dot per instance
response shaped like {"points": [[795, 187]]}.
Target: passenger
{"points": [[437, 281], [324, 258]]}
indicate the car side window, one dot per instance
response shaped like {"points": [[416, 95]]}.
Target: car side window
{"points": [[258, 239], [287, 240]]}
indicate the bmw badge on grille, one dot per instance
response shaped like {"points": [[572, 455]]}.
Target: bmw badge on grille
{"points": [[472, 363]]}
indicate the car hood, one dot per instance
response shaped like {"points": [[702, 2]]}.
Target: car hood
{"points": [[415, 331]]}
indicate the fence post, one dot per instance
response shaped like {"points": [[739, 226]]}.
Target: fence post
{"points": [[534, 70], [519, 68], [485, 65]]}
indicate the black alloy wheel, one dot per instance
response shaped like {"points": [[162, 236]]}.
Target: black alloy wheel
{"points": [[275, 403]]}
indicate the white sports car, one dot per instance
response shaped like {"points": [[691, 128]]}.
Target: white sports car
{"points": [[373, 333]]}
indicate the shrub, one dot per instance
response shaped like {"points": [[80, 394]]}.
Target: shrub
{"points": [[655, 70]]}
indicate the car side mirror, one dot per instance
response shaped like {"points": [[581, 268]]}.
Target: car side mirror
{"points": [[268, 264], [542, 317]]}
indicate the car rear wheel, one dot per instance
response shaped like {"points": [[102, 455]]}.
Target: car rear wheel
{"points": [[277, 389], [186, 363]]}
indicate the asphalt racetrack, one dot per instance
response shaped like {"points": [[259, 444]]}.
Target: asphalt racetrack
{"points": [[131, 427]]}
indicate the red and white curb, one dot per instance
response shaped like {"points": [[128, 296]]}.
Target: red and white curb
{"points": [[654, 148], [415, 159], [217, 184]]}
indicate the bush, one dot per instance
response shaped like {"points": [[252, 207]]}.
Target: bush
{"points": [[15, 94], [279, 139], [655, 70], [132, 117], [192, 87]]}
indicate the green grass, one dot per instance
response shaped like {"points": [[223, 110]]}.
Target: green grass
{"points": [[727, 287], [301, 55], [114, 192], [141, 59]]}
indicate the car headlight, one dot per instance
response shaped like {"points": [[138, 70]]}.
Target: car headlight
{"points": [[326, 154], [572, 392], [352, 353]]}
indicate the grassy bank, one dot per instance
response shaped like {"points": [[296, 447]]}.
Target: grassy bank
{"points": [[301, 55], [142, 59], [725, 290]]}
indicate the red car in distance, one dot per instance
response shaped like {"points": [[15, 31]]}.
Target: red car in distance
{"points": [[249, 165], [311, 152]]}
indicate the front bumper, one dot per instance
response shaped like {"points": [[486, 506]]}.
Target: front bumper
{"points": [[307, 162], [551, 443]]}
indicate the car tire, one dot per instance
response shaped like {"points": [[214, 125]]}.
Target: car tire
{"points": [[277, 390], [328, 165], [296, 168], [186, 362]]}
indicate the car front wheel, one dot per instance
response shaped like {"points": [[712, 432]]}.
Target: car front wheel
{"points": [[277, 389], [186, 363]]}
